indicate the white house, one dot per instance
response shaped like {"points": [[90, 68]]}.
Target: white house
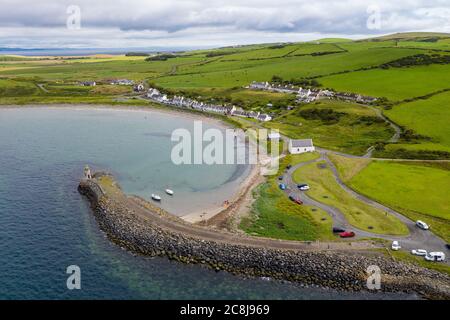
{"points": [[301, 146], [264, 117], [259, 85]]}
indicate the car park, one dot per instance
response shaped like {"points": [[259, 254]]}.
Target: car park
{"points": [[422, 225], [419, 252]]}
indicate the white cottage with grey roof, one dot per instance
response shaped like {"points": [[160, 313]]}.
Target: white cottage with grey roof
{"points": [[301, 146]]}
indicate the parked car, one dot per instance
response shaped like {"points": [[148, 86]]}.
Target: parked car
{"points": [[294, 199], [303, 187], [395, 246], [422, 225], [419, 252], [338, 230], [282, 186], [447, 246], [435, 256], [280, 178], [288, 166], [347, 234]]}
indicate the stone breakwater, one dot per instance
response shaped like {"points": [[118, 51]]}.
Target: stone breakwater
{"points": [[342, 270]]}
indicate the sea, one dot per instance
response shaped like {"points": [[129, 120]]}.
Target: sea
{"points": [[46, 226]]}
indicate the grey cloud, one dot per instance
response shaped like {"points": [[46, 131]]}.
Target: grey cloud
{"points": [[182, 18]]}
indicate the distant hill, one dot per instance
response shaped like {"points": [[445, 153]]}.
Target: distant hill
{"points": [[410, 36], [333, 40]]}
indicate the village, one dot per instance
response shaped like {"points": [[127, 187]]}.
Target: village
{"points": [[308, 95], [183, 102], [303, 95]]}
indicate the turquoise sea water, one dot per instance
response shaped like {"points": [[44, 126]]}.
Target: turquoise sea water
{"points": [[45, 225]]}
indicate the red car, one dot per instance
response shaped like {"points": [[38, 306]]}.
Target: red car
{"points": [[297, 201], [347, 234]]}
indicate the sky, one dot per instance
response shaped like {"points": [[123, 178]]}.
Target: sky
{"points": [[208, 23]]}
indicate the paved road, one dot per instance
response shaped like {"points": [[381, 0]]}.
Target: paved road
{"points": [[417, 239]]}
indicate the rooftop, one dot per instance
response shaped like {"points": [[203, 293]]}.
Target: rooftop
{"points": [[303, 143]]}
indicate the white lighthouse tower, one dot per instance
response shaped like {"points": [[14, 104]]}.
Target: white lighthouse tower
{"points": [[87, 172]]}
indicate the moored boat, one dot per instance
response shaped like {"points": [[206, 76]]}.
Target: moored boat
{"points": [[156, 197], [169, 192]]}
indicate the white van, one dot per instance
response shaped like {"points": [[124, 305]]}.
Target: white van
{"points": [[435, 256]]}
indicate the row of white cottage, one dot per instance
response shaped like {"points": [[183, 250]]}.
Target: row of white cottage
{"points": [[180, 101], [303, 95], [309, 95]]}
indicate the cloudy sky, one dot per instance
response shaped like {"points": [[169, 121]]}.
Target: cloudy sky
{"points": [[208, 23]]}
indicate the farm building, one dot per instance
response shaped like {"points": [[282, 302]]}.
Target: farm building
{"points": [[301, 146]]}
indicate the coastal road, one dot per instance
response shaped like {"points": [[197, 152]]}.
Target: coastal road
{"points": [[417, 238]]}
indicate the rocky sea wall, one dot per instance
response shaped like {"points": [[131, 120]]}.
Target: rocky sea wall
{"points": [[342, 270]]}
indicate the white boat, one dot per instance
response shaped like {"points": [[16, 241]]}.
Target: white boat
{"points": [[156, 197], [169, 192]]}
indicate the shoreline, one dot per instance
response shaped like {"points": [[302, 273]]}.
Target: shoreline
{"points": [[194, 215], [144, 229], [138, 108]]}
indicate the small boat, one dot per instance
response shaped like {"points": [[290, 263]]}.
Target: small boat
{"points": [[156, 197], [169, 192]]}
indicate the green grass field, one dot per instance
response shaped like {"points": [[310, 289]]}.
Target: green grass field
{"points": [[229, 74], [419, 191], [428, 117], [348, 167], [349, 134], [394, 84], [11, 88], [325, 189]]}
